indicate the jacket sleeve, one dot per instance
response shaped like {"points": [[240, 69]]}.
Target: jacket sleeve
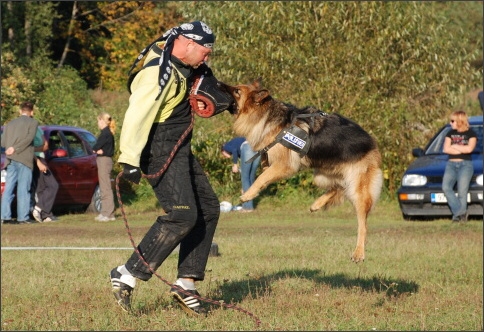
{"points": [[140, 115]]}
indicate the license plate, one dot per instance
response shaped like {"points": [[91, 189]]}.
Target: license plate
{"points": [[440, 198]]}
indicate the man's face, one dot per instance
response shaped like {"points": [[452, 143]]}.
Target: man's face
{"points": [[196, 54]]}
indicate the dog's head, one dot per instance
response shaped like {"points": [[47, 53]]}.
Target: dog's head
{"points": [[247, 96]]}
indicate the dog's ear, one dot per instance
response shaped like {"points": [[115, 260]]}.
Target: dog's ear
{"points": [[259, 96], [257, 83]]}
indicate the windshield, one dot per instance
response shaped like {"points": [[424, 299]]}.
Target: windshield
{"points": [[437, 144]]}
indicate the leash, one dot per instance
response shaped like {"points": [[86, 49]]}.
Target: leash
{"points": [[135, 247]]}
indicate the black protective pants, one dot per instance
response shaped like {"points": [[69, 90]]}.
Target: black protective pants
{"points": [[191, 206]]}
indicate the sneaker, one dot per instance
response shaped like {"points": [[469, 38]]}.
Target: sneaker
{"points": [[98, 216], [104, 218], [121, 291], [50, 219], [188, 303], [36, 212]]}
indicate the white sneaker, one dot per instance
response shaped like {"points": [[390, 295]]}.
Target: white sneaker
{"points": [[104, 219], [98, 216], [36, 212]]}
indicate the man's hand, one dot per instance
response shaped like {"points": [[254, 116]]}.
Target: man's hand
{"points": [[132, 173]]}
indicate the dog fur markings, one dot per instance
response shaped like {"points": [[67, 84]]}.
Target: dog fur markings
{"points": [[345, 159]]}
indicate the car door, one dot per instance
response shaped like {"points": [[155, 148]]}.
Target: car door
{"points": [[61, 167], [83, 166], [76, 171]]}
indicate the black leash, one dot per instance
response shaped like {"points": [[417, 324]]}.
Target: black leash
{"points": [[156, 175]]}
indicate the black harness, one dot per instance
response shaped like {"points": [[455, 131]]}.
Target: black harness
{"points": [[292, 137]]}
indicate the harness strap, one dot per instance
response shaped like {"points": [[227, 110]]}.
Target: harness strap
{"points": [[293, 137]]}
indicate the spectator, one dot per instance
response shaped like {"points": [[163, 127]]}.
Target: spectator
{"points": [[104, 149], [18, 141], [44, 184], [238, 148], [459, 143]]}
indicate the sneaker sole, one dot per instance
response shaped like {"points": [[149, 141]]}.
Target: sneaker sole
{"points": [[120, 301], [183, 305]]}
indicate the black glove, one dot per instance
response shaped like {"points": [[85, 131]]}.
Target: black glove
{"points": [[132, 173]]}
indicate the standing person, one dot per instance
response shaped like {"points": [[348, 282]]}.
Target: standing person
{"points": [[44, 184], [18, 141], [459, 143], [104, 149], [237, 148], [159, 114]]}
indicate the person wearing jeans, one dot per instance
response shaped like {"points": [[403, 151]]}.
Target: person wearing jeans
{"points": [[247, 172], [237, 148], [18, 141], [459, 143]]}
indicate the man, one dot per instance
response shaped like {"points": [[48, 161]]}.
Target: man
{"points": [[44, 184], [159, 114], [17, 139]]}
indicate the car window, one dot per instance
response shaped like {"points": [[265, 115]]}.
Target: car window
{"points": [[75, 147], [55, 141], [437, 144], [88, 137]]}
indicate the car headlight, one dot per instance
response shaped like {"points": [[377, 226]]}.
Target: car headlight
{"points": [[414, 180], [479, 180]]}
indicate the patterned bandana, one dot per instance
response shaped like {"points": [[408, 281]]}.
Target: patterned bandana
{"points": [[198, 31]]}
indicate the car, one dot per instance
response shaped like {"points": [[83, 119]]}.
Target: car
{"points": [[420, 195], [73, 163]]}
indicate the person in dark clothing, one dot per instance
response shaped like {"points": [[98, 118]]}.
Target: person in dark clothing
{"points": [[158, 116], [104, 149], [44, 184]]}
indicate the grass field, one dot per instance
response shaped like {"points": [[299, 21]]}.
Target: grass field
{"points": [[288, 267]]}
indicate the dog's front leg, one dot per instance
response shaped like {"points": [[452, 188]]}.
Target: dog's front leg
{"points": [[270, 175]]}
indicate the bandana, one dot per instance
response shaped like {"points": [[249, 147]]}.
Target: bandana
{"points": [[197, 31]]}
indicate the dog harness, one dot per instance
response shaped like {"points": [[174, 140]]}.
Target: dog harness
{"points": [[293, 137]]}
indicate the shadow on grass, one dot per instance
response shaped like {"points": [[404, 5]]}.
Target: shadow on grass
{"points": [[259, 287]]}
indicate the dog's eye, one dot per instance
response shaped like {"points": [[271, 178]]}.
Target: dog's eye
{"points": [[237, 92]]}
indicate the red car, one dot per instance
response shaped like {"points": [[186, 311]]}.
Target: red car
{"points": [[72, 162]]}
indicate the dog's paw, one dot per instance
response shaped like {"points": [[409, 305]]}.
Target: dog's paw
{"points": [[358, 256]]}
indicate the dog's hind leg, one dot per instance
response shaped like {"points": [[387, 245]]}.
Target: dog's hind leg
{"points": [[363, 194]]}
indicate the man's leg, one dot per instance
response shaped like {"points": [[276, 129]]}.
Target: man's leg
{"points": [[7, 196], [24, 182]]}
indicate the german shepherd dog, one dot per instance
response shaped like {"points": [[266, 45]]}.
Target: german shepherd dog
{"points": [[344, 157]]}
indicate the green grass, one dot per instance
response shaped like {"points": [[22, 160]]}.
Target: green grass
{"points": [[288, 267]]}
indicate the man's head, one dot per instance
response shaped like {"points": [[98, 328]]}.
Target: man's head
{"points": [[193, 44], [199, 32], [27, 108]]}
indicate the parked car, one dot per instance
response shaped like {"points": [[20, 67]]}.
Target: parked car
{"points": [[420, 195], [72, 162]]}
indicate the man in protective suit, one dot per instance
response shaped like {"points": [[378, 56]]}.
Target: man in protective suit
{"points": [[174, 80]]}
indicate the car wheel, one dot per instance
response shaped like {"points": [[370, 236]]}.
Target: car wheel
{"points": [[95, 206]]}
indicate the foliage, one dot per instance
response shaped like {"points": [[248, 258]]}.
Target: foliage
{"points": [[394, 67]]}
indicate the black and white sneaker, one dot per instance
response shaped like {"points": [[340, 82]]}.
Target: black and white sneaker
{"points": [[187, 302], [121, 291]]}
